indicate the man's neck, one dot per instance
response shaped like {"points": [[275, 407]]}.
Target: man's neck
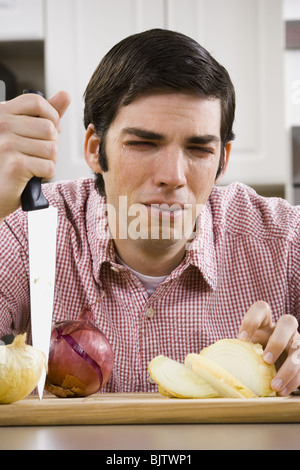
{"points": [[155, 260]]}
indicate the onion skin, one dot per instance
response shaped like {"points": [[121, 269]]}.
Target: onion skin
{"points": [[81, 373], [21, 366]]}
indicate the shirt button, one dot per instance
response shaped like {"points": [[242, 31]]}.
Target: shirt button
{"points": [[113, 268], [150, 312]]}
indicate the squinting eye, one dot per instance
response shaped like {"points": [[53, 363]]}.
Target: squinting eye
{"points": [[202, 150], [140, 144]]}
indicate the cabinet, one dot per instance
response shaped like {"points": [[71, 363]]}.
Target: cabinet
{"points": [[21, 20], [247, 37], [79, 33]]}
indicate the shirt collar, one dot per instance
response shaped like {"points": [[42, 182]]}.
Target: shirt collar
{"points": [[200, 252], [98, 234]]}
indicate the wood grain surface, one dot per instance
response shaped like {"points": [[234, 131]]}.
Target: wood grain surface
{"points": [[147, 408]]}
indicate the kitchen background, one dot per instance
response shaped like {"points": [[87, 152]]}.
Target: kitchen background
{"points": [[56, 44]]}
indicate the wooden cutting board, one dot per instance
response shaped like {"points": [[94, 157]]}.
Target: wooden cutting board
{"points": [[147, 408]]}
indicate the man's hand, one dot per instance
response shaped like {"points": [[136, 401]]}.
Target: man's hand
{"points": [[29, 131], [281, 342]]}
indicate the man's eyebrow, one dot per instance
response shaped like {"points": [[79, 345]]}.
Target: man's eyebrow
{"points": [[151, 135], [142, 133], [203, 139]]}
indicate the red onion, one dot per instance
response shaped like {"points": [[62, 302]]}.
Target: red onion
{"points": [[80, 358]]}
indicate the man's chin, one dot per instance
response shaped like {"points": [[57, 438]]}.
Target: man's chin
{"points": [[162, 244]]}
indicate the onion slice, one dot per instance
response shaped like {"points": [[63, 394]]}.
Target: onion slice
{"points": [[229, 368], [245, 361], [176, 380], [225, 383]]}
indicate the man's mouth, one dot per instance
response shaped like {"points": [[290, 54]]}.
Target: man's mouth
{"points": [[166, 210], [164, 205]]}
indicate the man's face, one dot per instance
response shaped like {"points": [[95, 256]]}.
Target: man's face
{"points": [[163, 153]]}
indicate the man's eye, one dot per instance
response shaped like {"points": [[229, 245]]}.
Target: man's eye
{"points": [[140, 144], [202, 151]]}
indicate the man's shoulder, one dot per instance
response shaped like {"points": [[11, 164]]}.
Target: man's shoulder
{"points": [[237, 208], [71, 197], [70, 191]]}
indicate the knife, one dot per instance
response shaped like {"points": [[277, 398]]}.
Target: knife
{"points": [[42, 226]]}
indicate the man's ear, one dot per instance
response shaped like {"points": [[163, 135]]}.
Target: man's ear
{"points": [[91, 149], [227, 151]]}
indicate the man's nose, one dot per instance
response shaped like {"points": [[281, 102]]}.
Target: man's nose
{"points": [[170, 169]]}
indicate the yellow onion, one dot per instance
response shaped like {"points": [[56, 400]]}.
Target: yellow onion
{"points": [[229, 368], [21, 366], [80, 358]]}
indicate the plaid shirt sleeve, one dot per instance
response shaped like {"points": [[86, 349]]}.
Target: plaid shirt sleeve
{"points": [[14, 269], [293, 283]]}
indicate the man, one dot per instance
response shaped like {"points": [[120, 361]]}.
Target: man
{"points": [[181, 261]]}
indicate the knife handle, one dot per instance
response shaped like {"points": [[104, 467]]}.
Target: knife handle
{"points": [[32, 197]]}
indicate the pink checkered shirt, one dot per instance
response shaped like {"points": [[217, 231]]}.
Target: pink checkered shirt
{"points": [[247, 250]]}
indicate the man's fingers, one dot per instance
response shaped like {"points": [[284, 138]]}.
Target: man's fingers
{"points": [[287, 378], [281, 338], [36, 106], [33, 128], [257, 323], [29, 132], [30, 105], [60, 101], [24, 167], [281, 344]]}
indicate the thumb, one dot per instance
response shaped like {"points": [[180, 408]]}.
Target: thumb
{"points": [[60, 101]]}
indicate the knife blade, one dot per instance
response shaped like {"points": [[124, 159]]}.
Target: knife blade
{"points": [[42, 228]]}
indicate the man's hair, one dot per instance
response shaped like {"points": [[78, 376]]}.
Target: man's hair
{"points": [[154, 61]]}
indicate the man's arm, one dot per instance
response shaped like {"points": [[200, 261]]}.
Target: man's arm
{"points": [[281, 343], [29, 131]]}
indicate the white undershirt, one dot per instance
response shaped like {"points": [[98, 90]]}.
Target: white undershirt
{"points": [[149, 282]]}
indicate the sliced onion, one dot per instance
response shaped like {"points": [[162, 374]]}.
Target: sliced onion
{"points": [[80, 358], [245, 361], [176, 380], [226, 384], [229, 368]]}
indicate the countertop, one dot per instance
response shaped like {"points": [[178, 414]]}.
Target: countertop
{"points": [[271, 436], [150, 422]]}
